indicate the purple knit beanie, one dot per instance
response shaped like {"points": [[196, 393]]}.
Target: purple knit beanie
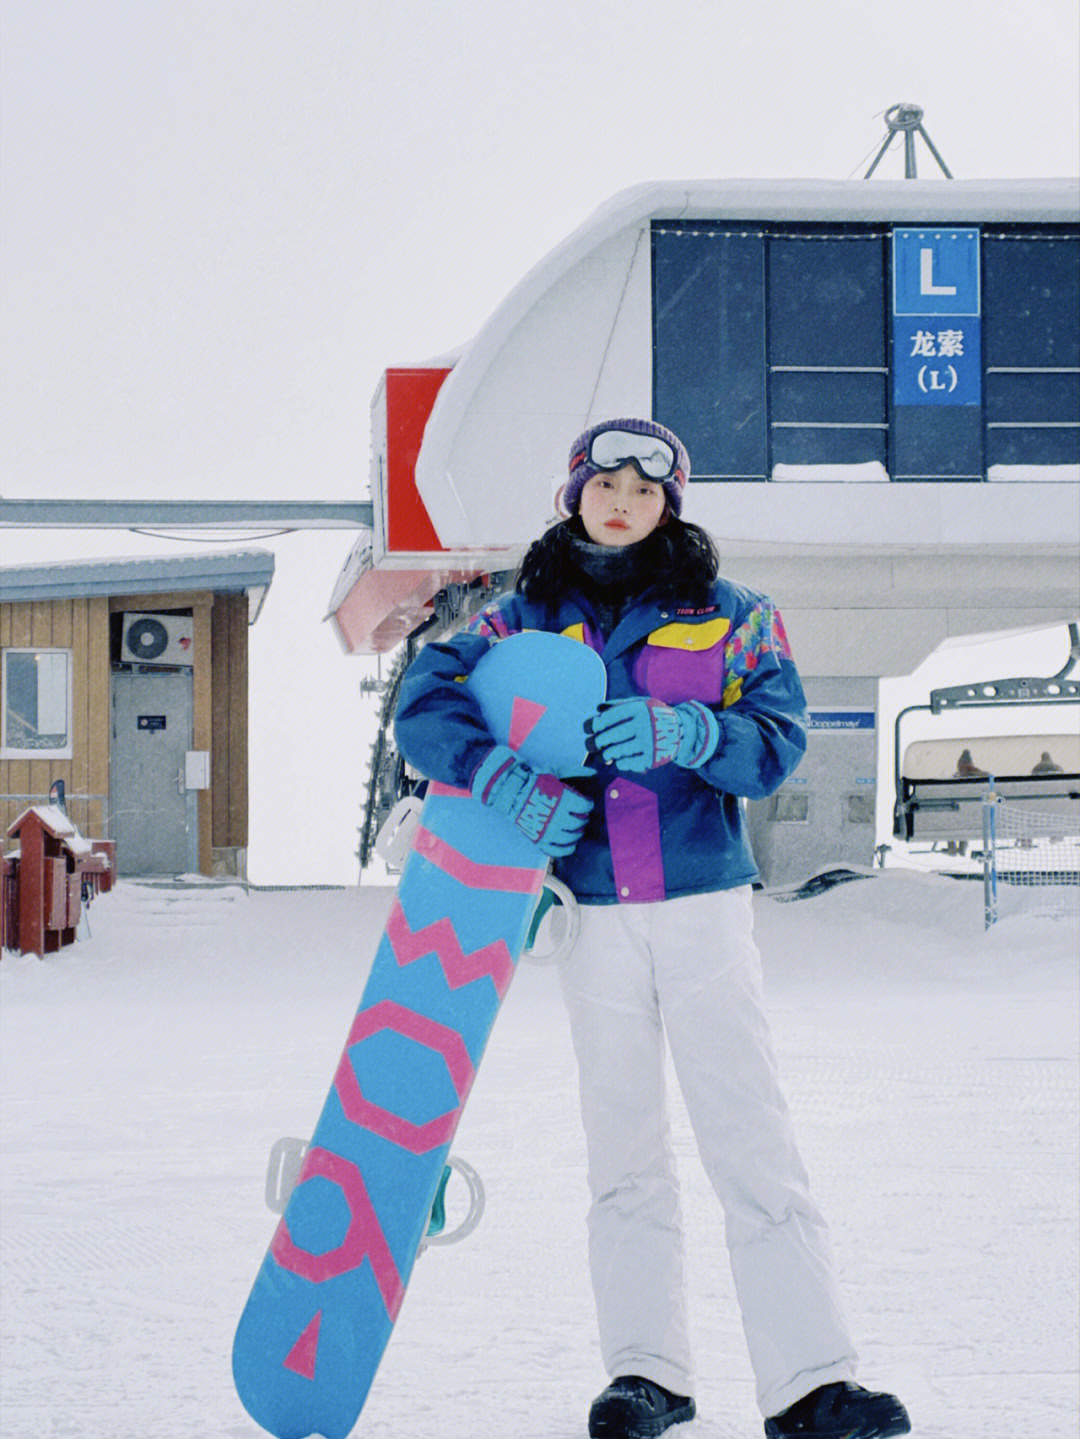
{"points": [[581, 471]]}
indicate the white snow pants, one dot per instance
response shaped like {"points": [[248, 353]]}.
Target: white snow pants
{"points": [[690, 967]]}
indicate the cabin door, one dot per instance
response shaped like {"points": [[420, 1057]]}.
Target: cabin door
{"points": [[152, 814]]}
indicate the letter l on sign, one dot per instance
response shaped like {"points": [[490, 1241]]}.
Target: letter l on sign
{"points": [[926, 276]]}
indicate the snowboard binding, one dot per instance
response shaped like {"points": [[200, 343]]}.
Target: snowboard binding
{"points": [[287, 1159]]}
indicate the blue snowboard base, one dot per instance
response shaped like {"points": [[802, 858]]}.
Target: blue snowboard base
{"points": [[325, 1300]]}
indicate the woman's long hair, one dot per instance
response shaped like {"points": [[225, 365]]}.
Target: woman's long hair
{"points": [[681, 560]]}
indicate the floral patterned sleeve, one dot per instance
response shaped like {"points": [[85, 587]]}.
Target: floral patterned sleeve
{"points": [[763, 718]]}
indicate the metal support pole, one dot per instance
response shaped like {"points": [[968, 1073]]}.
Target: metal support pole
{"points": [[906, 120], [989, 827], [910, 171], [930, 146]]}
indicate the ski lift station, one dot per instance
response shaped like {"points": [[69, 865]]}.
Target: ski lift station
{"points": [[878, 384]]}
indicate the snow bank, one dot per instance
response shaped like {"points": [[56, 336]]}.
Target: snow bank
{"points": [[146, 1071]]}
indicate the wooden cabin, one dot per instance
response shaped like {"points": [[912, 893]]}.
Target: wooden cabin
{"points": [[126, 683]]}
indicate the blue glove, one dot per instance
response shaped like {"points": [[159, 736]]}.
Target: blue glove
{"points": [[641, 733], [546, 811]]}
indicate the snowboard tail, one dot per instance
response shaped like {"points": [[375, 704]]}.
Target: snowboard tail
{"points": [[323, 1305]]}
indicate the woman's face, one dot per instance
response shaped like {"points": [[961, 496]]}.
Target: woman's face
{"points": [[618, 507]]}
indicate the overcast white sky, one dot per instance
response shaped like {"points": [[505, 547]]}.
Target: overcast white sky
{"points": [[223, 219]]}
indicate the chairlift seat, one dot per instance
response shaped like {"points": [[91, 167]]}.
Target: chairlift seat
{"points": [[943, 781]]}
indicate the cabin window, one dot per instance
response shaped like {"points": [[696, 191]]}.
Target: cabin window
{"points": [[37, 704], [790, 807]]}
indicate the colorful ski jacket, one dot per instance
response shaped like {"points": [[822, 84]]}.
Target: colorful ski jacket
{"points": [[670, 831]]}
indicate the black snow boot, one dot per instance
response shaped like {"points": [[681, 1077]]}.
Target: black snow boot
{"points": [[634, 1408], [841, 1411]]}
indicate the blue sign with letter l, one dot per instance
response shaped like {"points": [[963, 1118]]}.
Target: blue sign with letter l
{"points": [[936, 272], [937, 339]]}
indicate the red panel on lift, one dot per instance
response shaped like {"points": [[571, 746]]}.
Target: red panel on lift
{"points": [[410, 395]]}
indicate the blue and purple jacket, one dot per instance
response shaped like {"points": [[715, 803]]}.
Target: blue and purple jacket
{"points": [[670, 831]]}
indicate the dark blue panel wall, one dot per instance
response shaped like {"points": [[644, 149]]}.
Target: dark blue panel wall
{"points": [[826, 349], [1031, 346], [709, 347], [771, 346]]}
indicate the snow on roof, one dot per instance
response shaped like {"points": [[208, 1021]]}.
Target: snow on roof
{"points": [[58, 824], [224, 572], [153, 562], [931, 201]]}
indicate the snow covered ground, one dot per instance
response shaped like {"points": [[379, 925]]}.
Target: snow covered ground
{"points": [[145, 1073]]}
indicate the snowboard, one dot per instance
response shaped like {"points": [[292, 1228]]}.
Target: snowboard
{"points": [[324, 1302]]}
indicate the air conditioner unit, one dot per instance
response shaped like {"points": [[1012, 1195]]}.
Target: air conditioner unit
{"points": [[158, 639]]}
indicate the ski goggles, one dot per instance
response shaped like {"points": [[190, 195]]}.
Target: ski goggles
{"points": [[650, 455]]}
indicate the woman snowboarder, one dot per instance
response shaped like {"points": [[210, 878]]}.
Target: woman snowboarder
{"points": [[704, 709]]}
